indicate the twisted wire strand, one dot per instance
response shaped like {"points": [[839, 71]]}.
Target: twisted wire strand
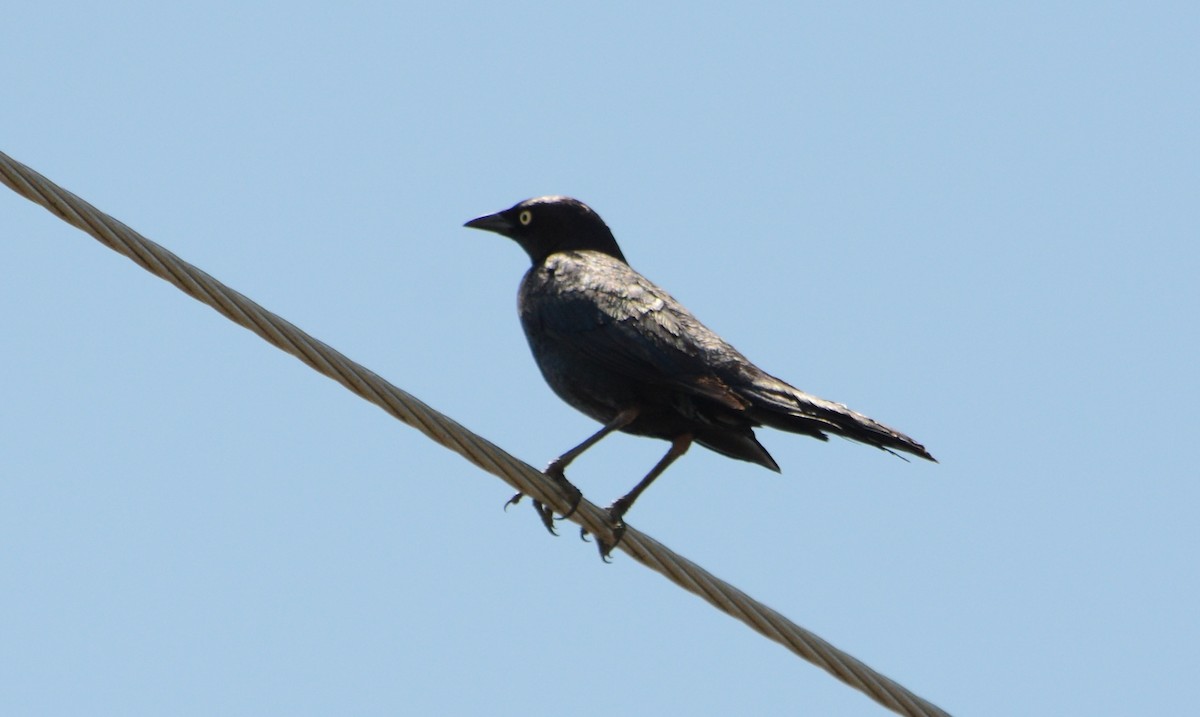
{"points": [[445, 431]]}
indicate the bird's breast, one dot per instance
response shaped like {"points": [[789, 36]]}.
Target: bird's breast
{"points": [[555, 311]]}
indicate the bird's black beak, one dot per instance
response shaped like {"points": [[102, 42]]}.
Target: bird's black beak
{"points": [[493, 223]]}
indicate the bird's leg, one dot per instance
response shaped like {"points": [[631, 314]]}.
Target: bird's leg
{"points": [[619, 421], [621, 505], [557, 468]]}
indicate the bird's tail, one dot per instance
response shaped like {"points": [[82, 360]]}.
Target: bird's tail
{"points": [[778, 405]]}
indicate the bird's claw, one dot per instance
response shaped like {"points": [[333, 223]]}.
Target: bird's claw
{"points": [[618, 530], [555, 471], [605, 548], [545, 512], [547, 515]]}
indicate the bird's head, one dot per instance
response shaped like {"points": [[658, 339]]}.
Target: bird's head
{"points": [[546, 225]]}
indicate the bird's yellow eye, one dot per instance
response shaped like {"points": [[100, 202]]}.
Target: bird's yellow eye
{"points": [[525, 217]]}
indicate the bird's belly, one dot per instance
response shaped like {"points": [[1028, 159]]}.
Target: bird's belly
{"points": [[601, 393], [586, 385]]}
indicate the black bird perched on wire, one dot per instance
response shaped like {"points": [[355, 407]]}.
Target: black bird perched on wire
{"points": [[621, 350]]}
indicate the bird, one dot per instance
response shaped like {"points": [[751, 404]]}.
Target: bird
{"points": [[624, 352]]}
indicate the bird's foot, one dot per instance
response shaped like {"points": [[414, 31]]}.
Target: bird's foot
{"points": [[616, 511], [555, 471], [545, 512]]}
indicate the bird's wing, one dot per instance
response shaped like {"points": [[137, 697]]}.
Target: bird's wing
{"points": [[610, 315]]}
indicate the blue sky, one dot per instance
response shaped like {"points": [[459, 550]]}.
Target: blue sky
{"points": [[977, 225]]}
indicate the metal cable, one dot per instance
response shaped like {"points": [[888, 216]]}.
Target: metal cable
{"points": [[447, 432]]}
